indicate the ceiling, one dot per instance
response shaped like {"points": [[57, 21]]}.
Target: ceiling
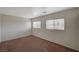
{"points": [[30, 12]]}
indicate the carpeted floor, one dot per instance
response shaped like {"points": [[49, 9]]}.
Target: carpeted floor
{"points": [[32, 44]]}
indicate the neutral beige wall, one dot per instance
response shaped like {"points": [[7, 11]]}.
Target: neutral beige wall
{"points": [[15, 27], [68, 37], [0, 28], [77, 42], [78, 10]]}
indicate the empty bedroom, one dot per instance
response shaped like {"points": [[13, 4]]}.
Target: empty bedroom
{"points": [[39, 29]]}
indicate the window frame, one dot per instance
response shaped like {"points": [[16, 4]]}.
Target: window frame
{"points": [[61, 20], [37, 25], [52, 24]]}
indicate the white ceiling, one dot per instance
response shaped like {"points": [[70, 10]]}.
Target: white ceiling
{"points": [[30, 12]]}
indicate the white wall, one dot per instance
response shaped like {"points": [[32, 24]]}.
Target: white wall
{"points": [[68, 37], [14, 27]]}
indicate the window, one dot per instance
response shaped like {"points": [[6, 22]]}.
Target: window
{"points": [[57, 24], [37, 24], [50, 24]]}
